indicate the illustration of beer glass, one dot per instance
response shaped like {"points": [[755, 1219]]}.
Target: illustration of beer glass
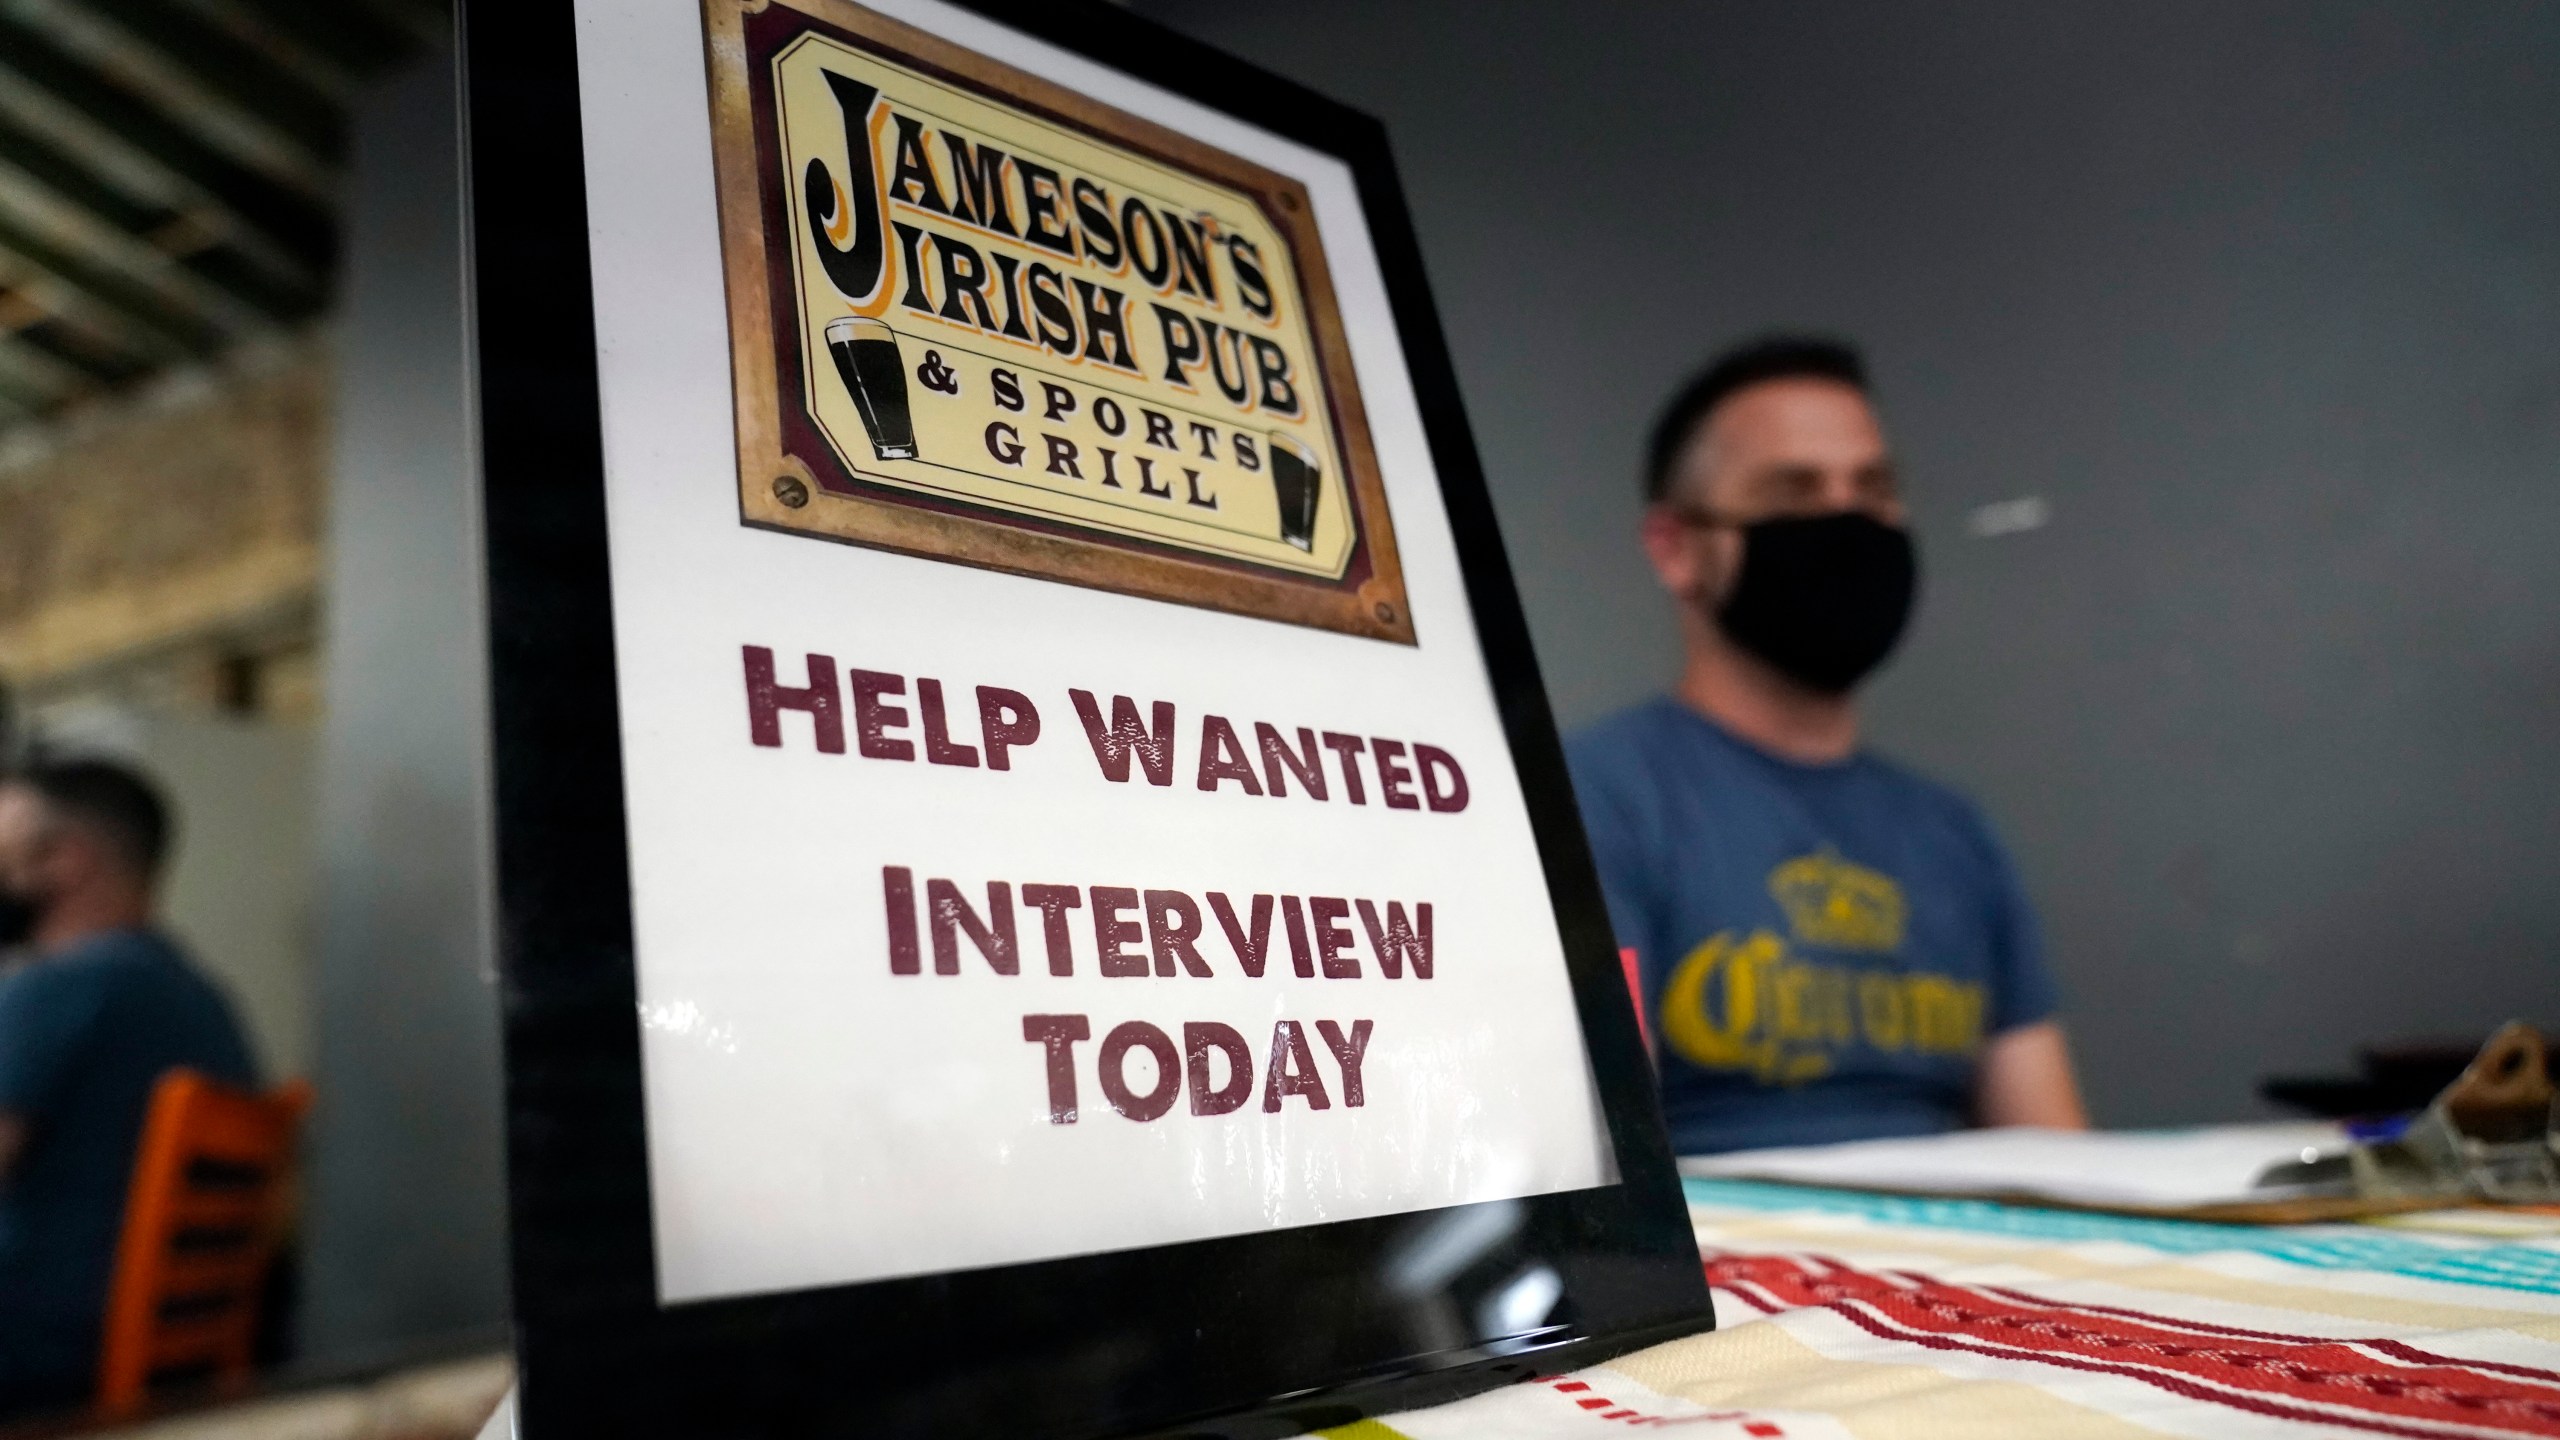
{"points": [[1298, 481], [866, 354]]}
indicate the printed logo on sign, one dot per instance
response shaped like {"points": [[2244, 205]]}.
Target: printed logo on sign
{"points": [[982, 319]]}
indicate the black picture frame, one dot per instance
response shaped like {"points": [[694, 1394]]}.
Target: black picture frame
{"points": [[1267, 1334]]}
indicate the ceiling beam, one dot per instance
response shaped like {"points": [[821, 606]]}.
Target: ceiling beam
{"points": [[241, 73], [267, 282], [168, 171], [78, 340], [345, 32], [300, 223], [143, 311], [120, 267], [32, 377], [141, 70], [243, 19], [115, 162], [70, 345]]}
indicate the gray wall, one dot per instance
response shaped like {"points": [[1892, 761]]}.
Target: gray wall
{"points": [[407, 1231], [2262, 301]]}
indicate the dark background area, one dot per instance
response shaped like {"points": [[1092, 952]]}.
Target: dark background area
{"points": [[2258, 305]]}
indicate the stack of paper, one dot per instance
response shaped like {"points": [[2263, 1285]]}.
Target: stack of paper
{"points": [[2138, 1169]]}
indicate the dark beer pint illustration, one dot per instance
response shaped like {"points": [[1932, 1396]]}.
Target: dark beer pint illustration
{"points": [[866, 353], [1298, 481]]}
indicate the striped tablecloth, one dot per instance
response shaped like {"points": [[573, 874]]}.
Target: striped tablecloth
{"points": [[1881, 1317]]}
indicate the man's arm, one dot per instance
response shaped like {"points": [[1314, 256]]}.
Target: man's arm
{"points": [[2024, 1078], [13, 1138]]}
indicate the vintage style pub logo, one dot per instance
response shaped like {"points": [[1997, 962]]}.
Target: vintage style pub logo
{"points": [[978, 317]]}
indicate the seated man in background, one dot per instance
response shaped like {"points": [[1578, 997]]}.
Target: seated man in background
{"points": [[1831, 947], [88, 1023]]}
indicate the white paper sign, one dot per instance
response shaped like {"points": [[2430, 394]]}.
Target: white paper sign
{"points": [[941, 965]]}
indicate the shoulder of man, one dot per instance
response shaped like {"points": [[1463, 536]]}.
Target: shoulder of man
{"points": [[1620, 752], [87, 973], [1939, 799], [117, 954], [135, 966], [149, 969], [1958, 817], [50, 1011]]}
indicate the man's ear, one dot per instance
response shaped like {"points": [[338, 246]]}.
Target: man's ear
{"points": [[1668, 543]]}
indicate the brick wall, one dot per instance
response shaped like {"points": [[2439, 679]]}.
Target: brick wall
{"points": [[173, 546]]}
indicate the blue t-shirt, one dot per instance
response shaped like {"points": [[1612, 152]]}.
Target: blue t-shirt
{"points": [[1823, 947], [84, 1036]]}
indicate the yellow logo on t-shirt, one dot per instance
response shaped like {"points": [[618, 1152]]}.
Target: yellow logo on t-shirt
{"points": [[1750, 1004], [1746, 1003], [1837, 905]]}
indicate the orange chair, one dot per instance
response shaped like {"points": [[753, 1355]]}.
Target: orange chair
{"points": [[211, 1196]]}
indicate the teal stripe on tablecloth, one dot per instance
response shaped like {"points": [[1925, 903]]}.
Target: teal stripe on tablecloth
{"points": [[2452, 1259]]}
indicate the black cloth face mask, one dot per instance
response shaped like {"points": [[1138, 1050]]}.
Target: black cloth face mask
{"points": [[18, 917], [1821, 598]]}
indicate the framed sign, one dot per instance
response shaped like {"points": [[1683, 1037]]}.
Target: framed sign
{"points": [[1038, 890], [1128, 365]]}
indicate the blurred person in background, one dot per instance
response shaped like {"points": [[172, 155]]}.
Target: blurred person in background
{"points": [[101, 1005], [1830, 946]]}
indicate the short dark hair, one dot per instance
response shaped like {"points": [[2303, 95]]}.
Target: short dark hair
{"points": [[1769, 357], [112, 800]]}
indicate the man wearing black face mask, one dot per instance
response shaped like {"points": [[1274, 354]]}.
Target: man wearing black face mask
{"points": [[100, 1009], [1831, 947]]}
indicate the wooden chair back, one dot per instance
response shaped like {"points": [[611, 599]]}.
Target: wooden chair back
{"points": [[212, 1194]]}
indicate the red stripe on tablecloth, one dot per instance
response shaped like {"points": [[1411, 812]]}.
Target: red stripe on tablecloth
{"points": [[2249, 1403], [1744, 1291], [2252, 1373], [1751, 1424], [2400, 1351], [2396, 1349]]}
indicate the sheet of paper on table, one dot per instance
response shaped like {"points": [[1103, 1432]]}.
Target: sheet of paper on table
{"points": [[2135, 1169]]}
